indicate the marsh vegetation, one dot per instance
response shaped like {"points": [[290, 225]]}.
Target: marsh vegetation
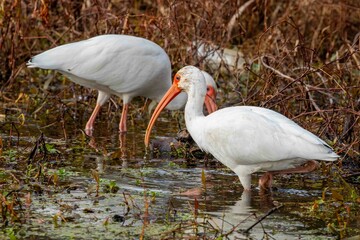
{"points": [[300, 58]]}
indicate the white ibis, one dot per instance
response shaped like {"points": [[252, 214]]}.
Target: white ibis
{"points": [[246, 139], [121, 65], [221, 58]]}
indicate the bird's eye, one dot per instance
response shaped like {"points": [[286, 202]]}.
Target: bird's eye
{"points": [[207, 89], [177, 78]]}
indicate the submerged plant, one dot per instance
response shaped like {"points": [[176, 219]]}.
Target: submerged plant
{"points": [[338, 206], [109, 186]]}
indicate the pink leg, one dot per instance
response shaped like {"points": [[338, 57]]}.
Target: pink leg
{"points": [[266, 180], [122, 141], [122, 125], [309, 166], [90, 123]]}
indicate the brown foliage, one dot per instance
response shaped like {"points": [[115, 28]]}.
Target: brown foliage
{"points": [[302, 56]]}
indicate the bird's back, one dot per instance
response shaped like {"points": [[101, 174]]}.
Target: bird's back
{"points": [[119, 63], [250, 135]]}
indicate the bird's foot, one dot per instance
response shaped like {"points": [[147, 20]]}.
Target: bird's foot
{"points": [[310, 166], [265, 181], [89, 131]]}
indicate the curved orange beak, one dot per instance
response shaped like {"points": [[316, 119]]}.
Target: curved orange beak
{"points": [[210, 100], [169, 95]]}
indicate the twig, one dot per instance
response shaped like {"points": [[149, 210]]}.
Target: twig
{"points": [[17, 132], [293, 81], [276, 71], [33, 152], [13, 191], [351, 175], [322, 78], [263, 217], [312, 99], [346, 110], [235, 16], [234, 227], [14, 177], [352, 51]]}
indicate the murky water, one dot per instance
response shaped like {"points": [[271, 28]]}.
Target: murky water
{"points": [[166, 194]]}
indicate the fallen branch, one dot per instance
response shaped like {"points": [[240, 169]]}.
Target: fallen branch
{"points": [[235, 17], [263, 217]]}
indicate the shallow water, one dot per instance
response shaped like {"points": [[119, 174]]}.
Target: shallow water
{"points": [[161, 193]]}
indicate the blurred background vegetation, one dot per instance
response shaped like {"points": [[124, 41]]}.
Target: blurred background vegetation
{"points": [[301, 58]]}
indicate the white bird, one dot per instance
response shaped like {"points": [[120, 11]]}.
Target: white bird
{"points": [[221, 58], [121, 65], [246, 139]]}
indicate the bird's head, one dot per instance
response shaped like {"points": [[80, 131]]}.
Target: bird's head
{"points": [[184, 80], [187, 77], [190, 76]]}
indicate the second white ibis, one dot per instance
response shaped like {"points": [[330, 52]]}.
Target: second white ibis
{"points": [[246, 139], [121, 65]]}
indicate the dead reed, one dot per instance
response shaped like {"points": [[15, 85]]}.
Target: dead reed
{"points": [[301, 57]]}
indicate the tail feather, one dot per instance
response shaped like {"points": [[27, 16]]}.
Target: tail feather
{"points": [[330, 155]]}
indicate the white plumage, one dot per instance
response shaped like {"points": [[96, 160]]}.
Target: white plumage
{"points": [[246, 139], [121, 65]]}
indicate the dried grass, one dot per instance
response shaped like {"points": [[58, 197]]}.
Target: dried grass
{"points": [[302, 56]]}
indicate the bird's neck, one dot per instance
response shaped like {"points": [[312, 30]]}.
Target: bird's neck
{"points": [[195, 102]]}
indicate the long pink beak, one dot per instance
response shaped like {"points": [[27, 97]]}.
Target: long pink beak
{"points": [[169, 95]]}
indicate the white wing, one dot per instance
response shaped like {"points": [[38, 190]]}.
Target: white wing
{"points": [[122, 63], [252, 135]]}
